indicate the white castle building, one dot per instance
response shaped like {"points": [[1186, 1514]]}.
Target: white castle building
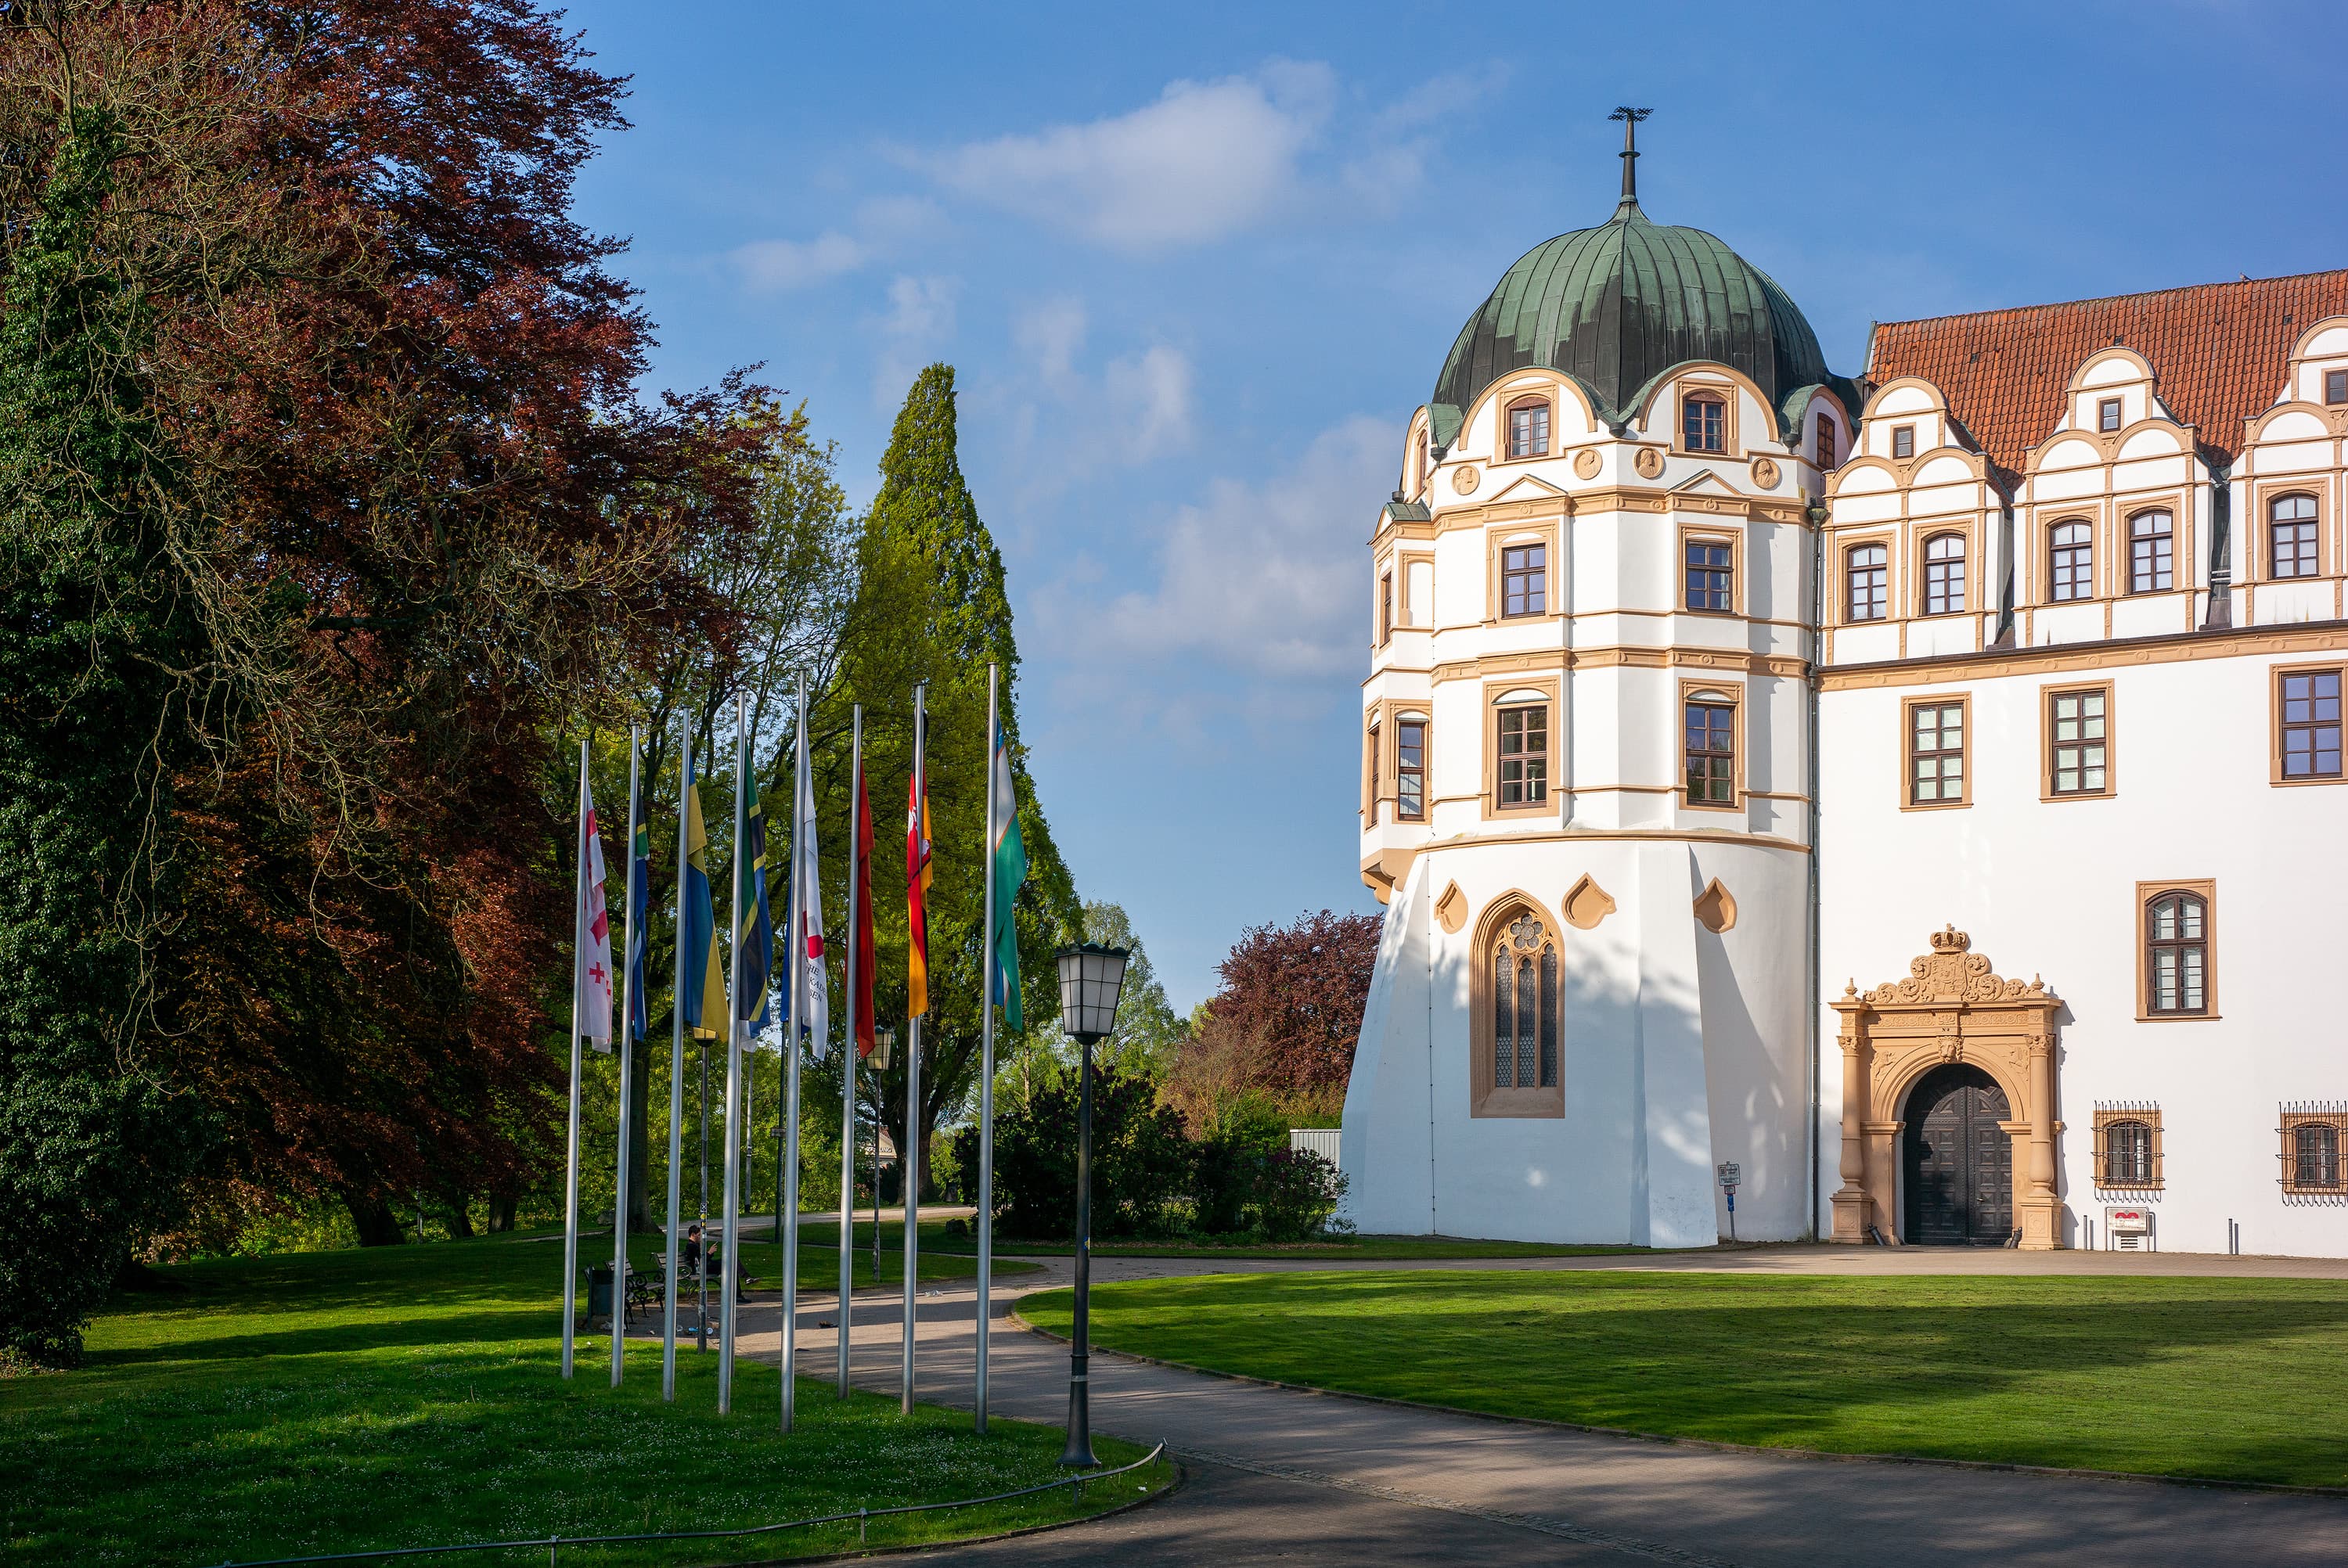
{"points": [[1921, 792]]}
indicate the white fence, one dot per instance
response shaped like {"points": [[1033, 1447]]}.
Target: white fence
{"points": [[1322, 1141]]}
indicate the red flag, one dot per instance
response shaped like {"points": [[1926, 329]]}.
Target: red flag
{"points": [[861, 921], [917, 888]]}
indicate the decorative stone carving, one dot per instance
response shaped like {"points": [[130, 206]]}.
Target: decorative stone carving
{"points": [[1764, 472], [1587, 905], [1716, 906], [1466, 478], [1649, 462], [1451, 910], [1586, 462]]}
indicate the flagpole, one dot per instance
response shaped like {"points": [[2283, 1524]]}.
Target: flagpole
{"points": [[986, 1071], [731, 1148], [625, 998], [570, 1163], [676, 1074], [849, 1048], [909, 1160], [802, 1010]]}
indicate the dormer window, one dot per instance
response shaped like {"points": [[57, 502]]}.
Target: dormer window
{"points": [[2335, 387], [1825, 445], [1903, 441], [2107, 415], [1704, 422], [1528, 427]]}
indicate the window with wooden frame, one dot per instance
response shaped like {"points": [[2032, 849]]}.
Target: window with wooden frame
{"points": [[2290, 537], [1370, 796], [2152, 552], [1944, 574], [1517, 1063], [1829, 452], [2314, 1135], [1520, 755], [1524, 580], [2071, 560], [1410, 770], [1708, 749], [2107, 415], [1710, 574], [1529, 421], [1386, 609], [1936, 732], [2177, 978], [1704, 422], [2307, 724], [1867, 570], [1904, 442], [2335, 387], [2127, 1146], [2078, 742]]}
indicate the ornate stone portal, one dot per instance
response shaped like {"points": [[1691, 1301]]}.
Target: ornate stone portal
{"points": [[1951, 1008]]}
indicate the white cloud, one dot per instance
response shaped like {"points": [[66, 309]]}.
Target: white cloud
{"points": [[1063, 420], [1150, 399], [1265, 578], [881, 226], [1207, 159], [920, 324]]}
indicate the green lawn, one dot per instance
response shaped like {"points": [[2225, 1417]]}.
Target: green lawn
{"points": [[2237, 1380], [332, 1401], [1372, 1248]]}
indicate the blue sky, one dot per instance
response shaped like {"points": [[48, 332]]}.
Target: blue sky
{"points": [[1197, 265]]}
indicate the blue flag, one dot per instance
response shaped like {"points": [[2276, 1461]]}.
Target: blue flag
{"points": [[705, 1006], [754, 945]]}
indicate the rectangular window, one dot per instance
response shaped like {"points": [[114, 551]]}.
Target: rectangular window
{"points": [[1936, 752], [2078, 741], [2290, 525], [2335, 387], [1524, 756], [2179, 981], [1826, 452], [1944, 574], [2307, 711], [2074, 561], [1410, 769], [2313, 1135], [1903, 441], [1704, 423], [1710, 746], [1870, 582], [1524, 580], [1372, 814], [2151, 554], [1386, 610], [1708, 575], [1528, 430], [2107, 415]]}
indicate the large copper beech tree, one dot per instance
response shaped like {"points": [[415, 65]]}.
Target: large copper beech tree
{"points": [[326, 494]]}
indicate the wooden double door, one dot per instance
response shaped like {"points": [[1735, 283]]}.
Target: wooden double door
{"points": [[1957, 1161]]}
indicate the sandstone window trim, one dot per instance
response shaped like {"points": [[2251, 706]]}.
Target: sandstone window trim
{"points": [[1867, 583], [1936, 738], [1944, 552], [2294, 542], [1722, 704], [2314, 1151], [2071, 560], [1516, 930], [1520, 693], [2176, 921], [1706, 424], [2307, 725], [2151, 533], [1534, 435], [2077, 742]]}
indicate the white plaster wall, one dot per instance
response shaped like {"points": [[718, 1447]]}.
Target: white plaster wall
{"points": [[2050, 890]]}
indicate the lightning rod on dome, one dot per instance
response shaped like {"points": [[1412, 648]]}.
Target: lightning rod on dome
{"points": [[1630, 117]]}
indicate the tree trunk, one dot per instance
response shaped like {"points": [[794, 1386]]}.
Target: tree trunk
{"points": [[501, 1212], [376, 1221], [460, 1222]]}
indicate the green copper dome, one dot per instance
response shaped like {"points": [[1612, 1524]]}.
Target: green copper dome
{"points": [[1617, 305]]}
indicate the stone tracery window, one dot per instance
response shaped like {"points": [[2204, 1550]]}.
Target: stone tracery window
{"points": [[1521, 963]]}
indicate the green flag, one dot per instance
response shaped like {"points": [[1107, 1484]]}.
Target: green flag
{"points": [[1008, 864]]}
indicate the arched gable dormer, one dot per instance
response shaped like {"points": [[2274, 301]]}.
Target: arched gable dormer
{"points": [[1483, 433], [1747, 419]]}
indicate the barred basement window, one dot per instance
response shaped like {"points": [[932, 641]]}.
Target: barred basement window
{"points": [[2127, 1146], [2313, 1132], [1524, 1007]]}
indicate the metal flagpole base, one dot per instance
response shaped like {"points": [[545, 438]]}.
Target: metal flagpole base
{"points": [[1078, 1454]]}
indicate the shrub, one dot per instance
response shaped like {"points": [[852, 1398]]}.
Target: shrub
{"points": [[1296, 1193], [1141, 1163]]}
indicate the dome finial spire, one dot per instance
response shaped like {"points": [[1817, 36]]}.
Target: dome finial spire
{"points": [[1630, 119]]}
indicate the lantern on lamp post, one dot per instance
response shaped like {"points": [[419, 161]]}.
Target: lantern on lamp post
{"points": [[1091, 979]]}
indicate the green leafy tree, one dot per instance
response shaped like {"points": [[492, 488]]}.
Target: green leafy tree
{"points": [[92, 1142]]}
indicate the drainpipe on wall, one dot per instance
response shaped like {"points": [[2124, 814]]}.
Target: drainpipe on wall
{"points": [[1817, 515]]}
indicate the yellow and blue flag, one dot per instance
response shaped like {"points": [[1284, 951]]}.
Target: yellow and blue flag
{"points": [[705, 1011]]}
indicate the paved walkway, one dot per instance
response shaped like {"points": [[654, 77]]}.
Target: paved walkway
{"points": [[1317, 1478]]}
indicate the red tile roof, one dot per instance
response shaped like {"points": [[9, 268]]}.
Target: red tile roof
{"points": [[2220, 352]]}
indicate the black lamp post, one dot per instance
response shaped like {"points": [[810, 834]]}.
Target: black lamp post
{"points": [[1091, 977]]}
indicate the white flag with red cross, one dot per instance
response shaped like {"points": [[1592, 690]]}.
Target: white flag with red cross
{"points": [[594, 994]]}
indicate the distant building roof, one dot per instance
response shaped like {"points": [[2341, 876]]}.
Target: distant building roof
{"points": [[2220, 352]]}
